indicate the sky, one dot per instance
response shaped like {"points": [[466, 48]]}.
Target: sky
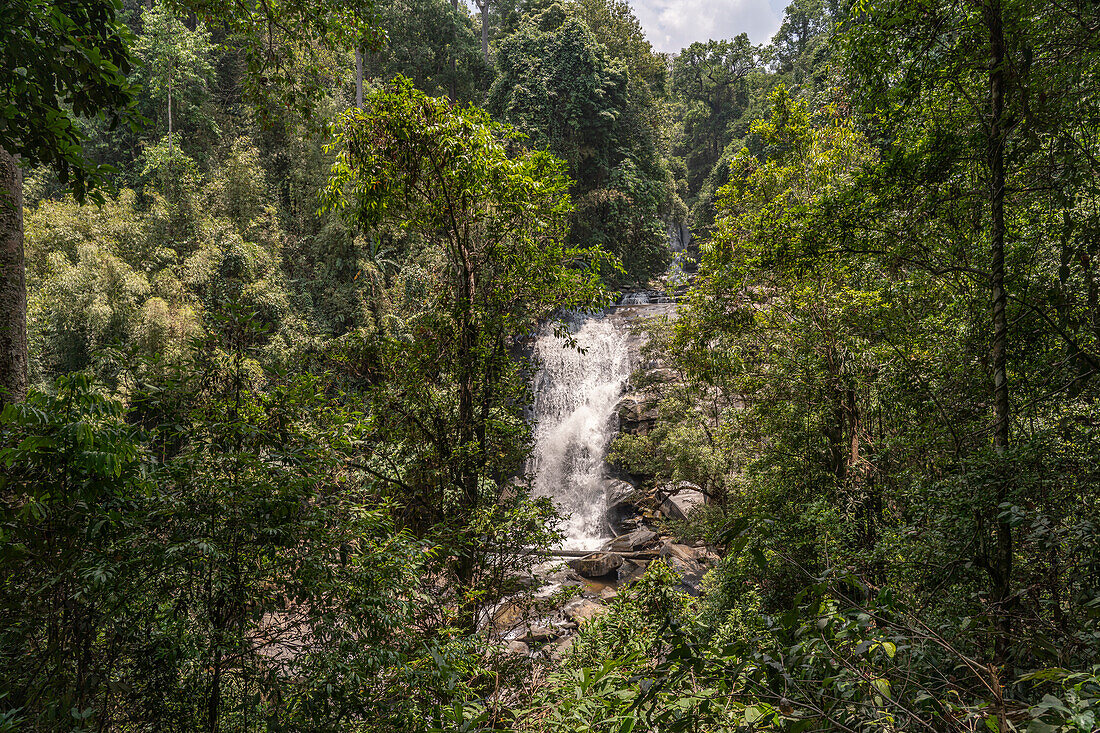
{"points": [[673, 24]]}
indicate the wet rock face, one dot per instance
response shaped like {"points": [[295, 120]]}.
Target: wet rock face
{"points": [[621, 492], [623, 507], [638, 412]]}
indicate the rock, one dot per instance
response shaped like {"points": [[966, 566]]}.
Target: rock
{"points": [[595, 585], [633, 541], [596, 565], [540, 635], [507, 615], [621, 492], [631, 570], [691, 572], [560, 648], [608, 594], [518, 647], [681, 552], [637, 412], [583, 611], [621, 525], [623, 500], [663, 375], [707, 556], [679, 502], [551, 588]]}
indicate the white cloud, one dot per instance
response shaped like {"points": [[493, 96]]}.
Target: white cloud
{"points": [[673, 24]]}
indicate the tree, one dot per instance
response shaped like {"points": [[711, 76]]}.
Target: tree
{"points": [[434, 45], [494, 266], [560, 86], [175, 62], [970, 93], [483, 7], [508, 15], [803, 22], [188, 574], [708, 80], [61, 61], [286, 44], [69, 59]]}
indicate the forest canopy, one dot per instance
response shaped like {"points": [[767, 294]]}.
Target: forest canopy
{"points": [[277, 284]]}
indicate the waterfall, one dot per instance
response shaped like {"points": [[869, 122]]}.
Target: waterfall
{"points": [[575, 396]]}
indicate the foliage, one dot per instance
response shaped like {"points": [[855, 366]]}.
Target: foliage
{"points": [[837, 354], [710, 82], [177, 590], [273, 477], [286, 45], [432, 44], [561, 86], [118, 277], [176, 69], [62, 60], [491, 222]]}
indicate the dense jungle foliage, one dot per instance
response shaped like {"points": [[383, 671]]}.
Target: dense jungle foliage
{"points": [[264, 442]]}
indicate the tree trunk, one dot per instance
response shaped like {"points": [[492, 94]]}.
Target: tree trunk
{"points": [[170, 148], [483, 6], [13, 285], [359, 77], [1001, 564], [452, 89]]}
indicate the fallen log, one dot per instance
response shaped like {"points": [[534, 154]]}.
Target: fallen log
{"points": [[637, 555]]}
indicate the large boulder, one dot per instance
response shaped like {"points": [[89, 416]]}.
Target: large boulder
{"points": [[596, 565], [678, 551], [684, 561], [621, 492], [623, 500], [633, 541], [518, 648], [691, 574], [631, 570], [584, 610], [680, 500]]}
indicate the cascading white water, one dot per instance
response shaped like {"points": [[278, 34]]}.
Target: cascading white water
{"points": [[575, 396]]}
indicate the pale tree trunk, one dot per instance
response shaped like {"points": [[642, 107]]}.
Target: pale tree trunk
{"points": [[13, 285], [454, 63], [171, 74], [359, 78], [1000, 565], [483, 6]]}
